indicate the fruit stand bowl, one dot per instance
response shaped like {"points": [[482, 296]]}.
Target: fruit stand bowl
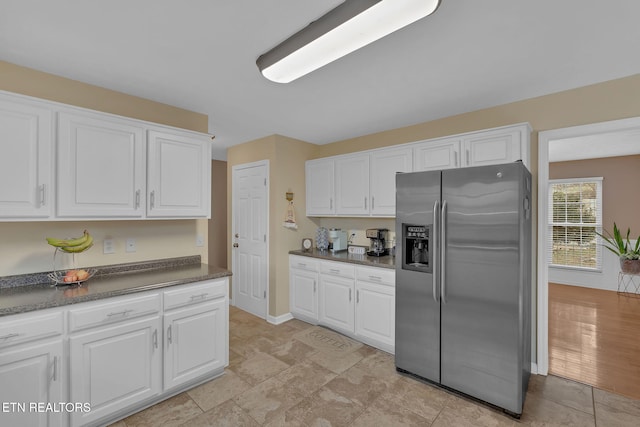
{"points": [[72, 277]]}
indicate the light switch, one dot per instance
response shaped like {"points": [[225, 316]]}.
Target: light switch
{"points": [[108, 246], [130, 245]]}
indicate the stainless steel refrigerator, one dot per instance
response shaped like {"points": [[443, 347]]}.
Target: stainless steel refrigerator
{"points": [[463, 280]]}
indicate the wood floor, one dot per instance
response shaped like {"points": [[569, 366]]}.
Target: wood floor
{"points": [[594, 338]]}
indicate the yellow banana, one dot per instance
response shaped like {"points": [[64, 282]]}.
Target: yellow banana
{"points": [[59, 243], [79, 248]]}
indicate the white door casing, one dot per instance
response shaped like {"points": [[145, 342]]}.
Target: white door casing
{"points": [[250, 216]]}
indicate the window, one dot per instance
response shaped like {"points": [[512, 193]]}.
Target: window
{"points": [[575, 214]]}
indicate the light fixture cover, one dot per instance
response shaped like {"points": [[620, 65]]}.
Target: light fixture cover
{"points": [[348, 27]]}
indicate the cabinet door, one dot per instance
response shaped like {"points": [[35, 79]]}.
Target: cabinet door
{"points": [[179, 176], [195, 342], [384, 166], [115, 367], [30, 375], [320, 189], [304, 295], [375, 314], [25, 161], [335, 308], [493, 147], [352, 185], [437, 155], [101, 167]]}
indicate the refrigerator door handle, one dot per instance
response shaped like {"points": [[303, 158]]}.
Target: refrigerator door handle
{"points": [[443, 244], [436, 224]]}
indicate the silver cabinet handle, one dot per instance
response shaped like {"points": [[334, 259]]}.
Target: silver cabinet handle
{"points": [[455, 158], [301, 264], [155, 339], [375, 278], [137, 199], [314, 286], [199, 296], [443, 247], [152, 199], [334, 271], [43, 193], [120, 313], [436, 226], [372, 202], [54, 377], [9, 336], [468, 158], [358, 296], [349, 295], [365, 203], [169, 335], [330, 203]]}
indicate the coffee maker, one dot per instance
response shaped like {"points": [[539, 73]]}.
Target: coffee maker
{"points": [[378, 237]]}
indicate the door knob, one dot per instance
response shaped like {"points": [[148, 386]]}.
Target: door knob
{"points": [[236, 235], [235, 245]]}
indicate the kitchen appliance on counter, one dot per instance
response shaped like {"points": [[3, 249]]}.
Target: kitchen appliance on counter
{"points": [[378, 238], [338, 240], [463, 280]]}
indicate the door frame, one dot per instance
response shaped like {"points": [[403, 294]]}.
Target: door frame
{"points": [[544, 138], [234, 261]]}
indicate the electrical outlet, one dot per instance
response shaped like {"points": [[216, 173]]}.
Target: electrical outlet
{"points": [[130, 245], [199, 240], [108, 246]]}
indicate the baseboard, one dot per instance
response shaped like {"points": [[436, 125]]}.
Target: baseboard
{"points": [[277, 320], [534, 368]]}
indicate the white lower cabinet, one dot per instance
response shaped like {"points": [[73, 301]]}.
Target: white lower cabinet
{"points": [[336, 303], [303, 287], [31, 374], [196, 337], [32, 369], [357, 301], [375, 310], [115, 367]]}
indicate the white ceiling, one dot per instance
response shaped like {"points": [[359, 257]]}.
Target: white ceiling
{"points": [[200, 55]]}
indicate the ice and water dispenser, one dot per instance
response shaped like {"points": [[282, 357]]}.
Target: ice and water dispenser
{"points": [[417, 247]]}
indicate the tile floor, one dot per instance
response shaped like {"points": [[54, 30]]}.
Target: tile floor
{"points": [[296, 374]]}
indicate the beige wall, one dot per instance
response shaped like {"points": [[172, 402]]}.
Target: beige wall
{"points": [[218, 221], [620, 201], [286, 158], [23, 248]]}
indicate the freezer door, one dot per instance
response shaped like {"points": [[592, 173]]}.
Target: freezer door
{"points": [[417, 347], [481, 293]]}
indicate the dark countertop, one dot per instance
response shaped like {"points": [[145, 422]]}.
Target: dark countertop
{"points": [[139, 277], [343, 256]]}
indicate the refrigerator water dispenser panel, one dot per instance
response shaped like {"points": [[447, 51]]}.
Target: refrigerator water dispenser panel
{"points": [[417, 244]]}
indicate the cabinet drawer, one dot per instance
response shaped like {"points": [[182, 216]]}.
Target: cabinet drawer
{"points": [[194, 294], [303, 263], [341, 269], [384, 276], [30, 327], [113, 312]]}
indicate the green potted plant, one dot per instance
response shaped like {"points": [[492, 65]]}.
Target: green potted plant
{"points": [[629, 255]]}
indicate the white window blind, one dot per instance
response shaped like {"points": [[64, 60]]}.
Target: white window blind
{"points": [[575, 214]]}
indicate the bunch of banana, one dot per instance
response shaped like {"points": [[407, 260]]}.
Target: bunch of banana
{"points": [[79, 244]]}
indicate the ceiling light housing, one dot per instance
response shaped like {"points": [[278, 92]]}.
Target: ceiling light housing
{"points": [[348, 27]]}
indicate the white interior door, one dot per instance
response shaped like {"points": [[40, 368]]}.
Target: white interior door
{"points": [[250, 218]]}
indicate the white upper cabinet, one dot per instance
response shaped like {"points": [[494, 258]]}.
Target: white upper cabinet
{"points": [[437, 155], [179, 171], [352, 185], [101, 167], [25, 160], [320, 187], [385, 164], [502, 145]]}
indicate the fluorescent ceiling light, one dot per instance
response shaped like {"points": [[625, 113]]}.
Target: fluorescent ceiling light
{"points": [[348, 27]]}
